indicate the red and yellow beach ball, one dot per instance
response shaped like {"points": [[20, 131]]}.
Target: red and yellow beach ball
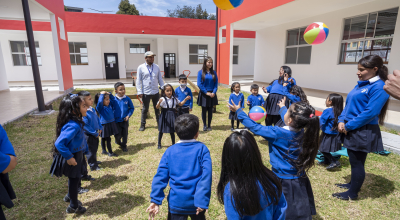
{"points": [[316, 33], [227, 4]]}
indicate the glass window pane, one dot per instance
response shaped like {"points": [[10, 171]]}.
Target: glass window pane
{"points": [[291, 55], [304, 55], [134, 45], [386, 23], [293, 37], [19, 59], [80, 48], [301, 40], [193, 48], [71, 47], [29, 62], [193, 59], [203, 47], [132, 50], [82, 59], [72, 58], [39, 60], [146, 47], [235, 60], [371, 25], [346, 31], [351, 52], [141, 50], [17, 46], [357, 29], [201, 59], [378, 47], [236, 50]]}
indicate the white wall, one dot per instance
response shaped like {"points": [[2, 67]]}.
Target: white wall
{"points": [[95, 69], [3, 74], [324, 72], [47, 70], [133, 60], [245, 65]]}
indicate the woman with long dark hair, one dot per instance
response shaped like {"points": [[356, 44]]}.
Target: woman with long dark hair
{"points": [[365, 109], [246, 186], [207, 81], [275, 90]]}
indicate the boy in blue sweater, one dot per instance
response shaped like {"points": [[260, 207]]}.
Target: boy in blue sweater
{"points": [[254, 99], [188, 165], [122, 120], [182, 92]]}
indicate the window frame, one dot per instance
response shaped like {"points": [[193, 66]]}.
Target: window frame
{"points": [[87, 54], [197, 54], [139, 47], [365, 38], [26, 45], [237, 55], [296, 46]]}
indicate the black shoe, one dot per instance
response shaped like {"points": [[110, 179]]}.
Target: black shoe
{"points": [[333, 165], [142, 127], [159, 147], [322, 163], [205, 128], [112, 155], [82, 190], [343, 186], [337, 195], [209, 129], [104, 152], [124, 149], [95, 168], [79, 210], [87, 178], [98, 162], [67, 199]]}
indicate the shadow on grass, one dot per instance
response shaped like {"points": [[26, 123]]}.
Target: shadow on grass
{"points": [[114, 204], [222, 127], [114, 163], [106, 181], [133, 149], [374, 186]]}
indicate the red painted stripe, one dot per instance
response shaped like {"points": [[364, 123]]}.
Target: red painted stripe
{"points": [[20, 25]]}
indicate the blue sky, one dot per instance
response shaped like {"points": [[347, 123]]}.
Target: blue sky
{"points": [[147, 7]]}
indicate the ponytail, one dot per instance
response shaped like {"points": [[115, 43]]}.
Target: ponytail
{"points": [[371, 62], [303, 116]]}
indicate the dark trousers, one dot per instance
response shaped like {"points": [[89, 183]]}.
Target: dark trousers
{"points": [[93, 143], [146, 101], [160, 134], [106, 142], [272, 119], [200, 216], [357, 161], [73, 185], [84, 170], [183, 110], [329, 158], [122, 137], [2, 216], [204, 111], [233, 123]]}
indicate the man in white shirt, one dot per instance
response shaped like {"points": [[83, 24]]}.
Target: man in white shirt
{"points": [[148, 79]]}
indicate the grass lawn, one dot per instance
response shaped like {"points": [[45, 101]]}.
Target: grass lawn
{"points": [[121, 190]]}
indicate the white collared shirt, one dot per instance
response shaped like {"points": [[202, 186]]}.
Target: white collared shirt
{"points": [[90, 109], [237, 94], [120, 97], [164, 103], [187, 141], [182, 89], [290, 128], [374, 79], [146, 84]]}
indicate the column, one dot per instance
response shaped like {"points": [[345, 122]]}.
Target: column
{"points": [[54, 33], [160, 53], [121, 57], [3, 73]]}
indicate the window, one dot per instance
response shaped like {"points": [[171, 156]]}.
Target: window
{"points": [[139, 48], [235, 58], [62, 29], [368, 35], [197, 53], [20, 53], [297, 49], [78, 53]]}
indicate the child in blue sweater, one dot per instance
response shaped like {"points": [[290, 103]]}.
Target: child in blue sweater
{"points": [[92, 130], [330, 137], [126, 109], [293, 150], [258, 192], [296, 95], [69, 148], [254, 99], [8, 161], [188, 169], [181, 93], [107, 108], [238, 98]]}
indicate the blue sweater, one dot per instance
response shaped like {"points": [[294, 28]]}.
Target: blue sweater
{"points": [[182, 95], [277, 88], [271, 212], [187, 167], [208, 85], [257, 100], [326, 121], [6, 149], [364, 103], [108, 113], [92, 123], [126, 108], [279, 141], [71, 140], [292, 98], [236, 99]]}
